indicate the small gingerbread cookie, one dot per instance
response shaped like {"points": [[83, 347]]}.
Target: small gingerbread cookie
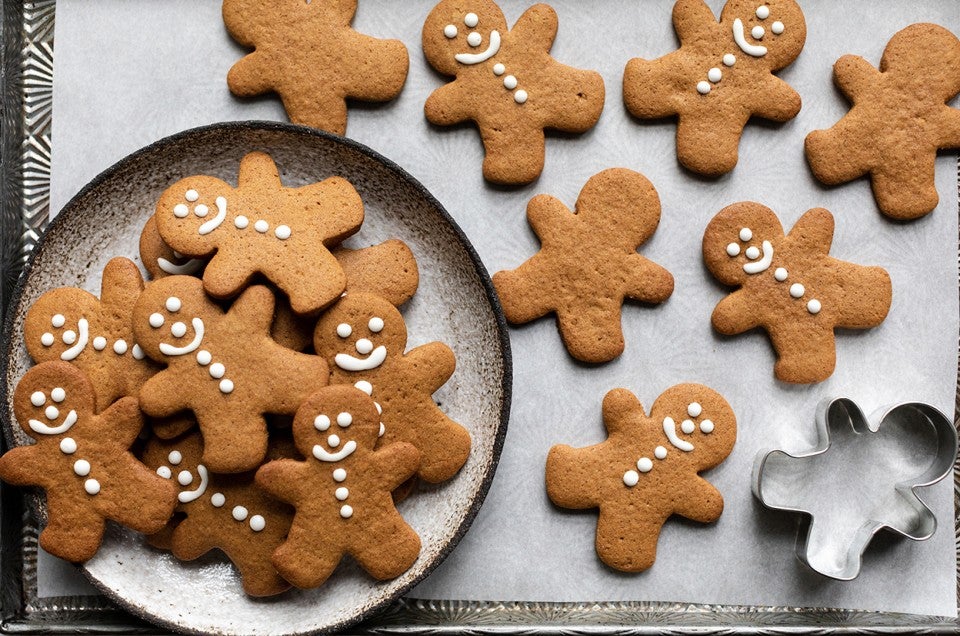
{"points": [[898, 121], [263, 227], [646, 470], [82, 462], [341, 492], [363, 338], [308, 53], [588, 263], [720, 77], [507, 83], [790, 286]]}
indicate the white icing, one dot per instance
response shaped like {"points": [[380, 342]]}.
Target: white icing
{"points": [[178, 329], [703, 87], [814, 306], [706, 427], [660, 452], [218, 499], [450, 31], [474, 39], [84, 327], [758, 32], [186, 496], [746, 234], [341, 493], [184, 478], [375, 325], [175, 457], [729, 59], [644, 465], [92, 486], [471, 20], [201, 210], [261, 226], [764, 263], [321, 423], [687, 426], [383, 429], [510, 82], [694, 409], [138, 353], [47, 339], [173, 304], [349, 363], [333, 440], [52, 412], [156, 320], [339, 474], [282, 232], [81, 467], [780, 274], [477, 58], [763, 12], [58, 320], [181, 211], [68, 446], [69, 336], [164, 471], [191, 195], [239, 513], [714, 75], [520, 96], [204, 357], [499, 69], [38, 398], [344, 420], [797, 290], [241, 222], [363, 346], [169, 350], [120, 347], [364, 386], [344, 330], [670, 430], [738, 37], [43, 429], [217, 370], [347, 511], [58, 395], [190, 267], [99, 343], [226, 386], [753, 252], [257, 523], [215, 222], [777, 27], [325, 456], [631, 478]]}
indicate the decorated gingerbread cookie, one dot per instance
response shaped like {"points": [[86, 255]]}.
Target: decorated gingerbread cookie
{"points": [[308, 53], [898, 121], [222, 366], [588, 263], [160, 259], [646, 470], [82, 461], [790, 286], [228, 512], [721, 76], [262, 227], [341, 492], [507, 83], [364, 338]]}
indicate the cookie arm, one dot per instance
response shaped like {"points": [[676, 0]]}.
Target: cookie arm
{"points": [[813, 231], [254, 308], [735, 314], [704, 504], [537, 28], [448, 105], [570, 481], [163, 395], [224, 275], [285, 479], [646, 281], [948, 121], [690, 19], [251, 75], [430, 365], [190, 540], [121, 284], [868, 297], [18, 467], [854, 76], [125, 420], [774, 99], [396, 463]]}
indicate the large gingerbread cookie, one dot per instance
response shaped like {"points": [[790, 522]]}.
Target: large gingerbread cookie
{"points": [[308, 53], [507, 83], [898, 121], [790, 286], [646, 470], [721, 76]]}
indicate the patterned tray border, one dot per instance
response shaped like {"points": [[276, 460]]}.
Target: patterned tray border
{"points": [[25, 120]]}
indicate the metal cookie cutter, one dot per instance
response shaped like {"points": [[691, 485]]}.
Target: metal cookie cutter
{"points": [[861, 477]]}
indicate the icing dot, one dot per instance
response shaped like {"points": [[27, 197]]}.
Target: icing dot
{"points": [[81, 467], [99, 343], [510, 82], [261, 226], [217, 370], [68, 446], [499, 69], [204, 357], [47, 339], [180, 211], [226, 385], [729, 59], [257, 523], [379, 408], [746, 234], [471, 20], [173, 304], [138, 353], [333, 441], [757, 32], [201, 210], [694, 409], [644, 465], [714, 75], [763, 12], [58, 320], [780, 274], [164, 472], [52, 412], [92, 486], [814, 306], [156, 320], [344, 420], [282, 232], [796, 290], [178, 329], [383, 429], [375, 325], [120, 347], [344, 330], [733, 249], [341, 493], [630, 478], [364, 346], [321, 422], [364, 386], [346, 511], [69, 336], [706, 426], [520, 96], [687, 426], [703, 87], [241, 222], [191, 195], [175, 457], [339, 474], [660, 452], [239, 513], [37, 398], [58, 395], [184, 478], [777, 27], [450, 31], [753, 252], [474, 39], [217, 499]]}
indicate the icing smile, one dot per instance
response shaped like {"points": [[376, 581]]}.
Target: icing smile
{"points": [[670, 430], [764, 263], [350, 363], [476, 58], [170, 350], [43, 429], [215, 222], [739, 37], [326, 456], [190, 267], [186, 496], [84, 328]]}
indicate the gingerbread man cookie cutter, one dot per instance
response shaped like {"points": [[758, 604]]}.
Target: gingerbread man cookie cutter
{"points": [[862, 477]]}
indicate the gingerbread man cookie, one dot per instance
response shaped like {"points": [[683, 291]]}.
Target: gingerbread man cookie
{"points": [[82, 462], [588, 263], [898, 121], [223, 366], [341, 492], [160, 259], [308, 54], [363, 338], [646, 470], [507, 83], [263, 227], [790, 286], [720, 77]]}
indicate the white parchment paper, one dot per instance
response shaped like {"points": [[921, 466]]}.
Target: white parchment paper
{"points": [[127, 73]]}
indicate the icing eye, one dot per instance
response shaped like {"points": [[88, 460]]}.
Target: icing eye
{"points": [[694, 409], [191, 195], [180, 211], [706, 426], [474, 39], [47, 339], [178, 329], [344, 330], [175, 457], [753, 252], [321, 423], [375, 325], [173, 304], [52, 412], [450, 31], [757, 32], [471, 20], [164, 472], [201, 210], [37, 398], [156, 320], [184, 478], [58, 395], [780, 274], [241, 222], [364, 346], [763, 12], [777, 27], [687, 426], [58, 320], [69, 336], [333, 441], [746, 234], [733, 249], [344, 420]]}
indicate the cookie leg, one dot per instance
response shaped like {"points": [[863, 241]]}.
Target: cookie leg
{"points": [[305, 558], [708, 145], [592, 331], [638, 77], [626, 543], [73, 532], [234, 441], [906, 190], [140, 500], [513, 155], [259, 576], [444, 449], [388, 549], [804, 358]]}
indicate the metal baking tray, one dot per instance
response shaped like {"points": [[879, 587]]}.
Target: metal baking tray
{"points": [[25, 143]]}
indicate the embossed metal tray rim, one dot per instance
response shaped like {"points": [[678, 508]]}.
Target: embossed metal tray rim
{"points": [[27, 76]]}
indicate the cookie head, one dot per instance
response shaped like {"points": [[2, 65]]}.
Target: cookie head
{"points": [[51, 398], [771, 30], [908, 55], [360, 332], [170, 318], [58, 326], [335, 422], [191, 211], [741, 241], [460, 33], [698, 424]]}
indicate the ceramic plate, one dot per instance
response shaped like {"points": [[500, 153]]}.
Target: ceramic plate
{"points": [[454, 304]]}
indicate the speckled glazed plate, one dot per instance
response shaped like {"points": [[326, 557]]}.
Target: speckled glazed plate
{"points": [[454, 304]]}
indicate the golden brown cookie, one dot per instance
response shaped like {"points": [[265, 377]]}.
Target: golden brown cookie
{"points": [[790, 286], [898, 121], [588, 263], [386, 269], [160, 259], [308, 54], [82, 462], [507, 83], [720, 77], [341, 492], [646, 470]]}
